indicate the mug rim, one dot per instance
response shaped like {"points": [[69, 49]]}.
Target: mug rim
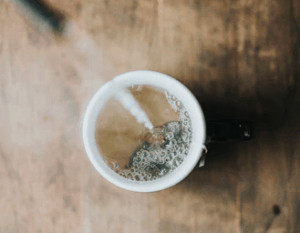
{"points": [[159, 80]]}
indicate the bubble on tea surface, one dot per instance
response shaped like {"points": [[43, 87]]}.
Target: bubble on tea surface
{"points": [[163, 149]]}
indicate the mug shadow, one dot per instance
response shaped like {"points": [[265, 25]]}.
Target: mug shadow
{"points": [[225, 160], [219, 173]]}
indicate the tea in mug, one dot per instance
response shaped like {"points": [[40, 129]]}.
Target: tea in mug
{"points": [[144, 133]]}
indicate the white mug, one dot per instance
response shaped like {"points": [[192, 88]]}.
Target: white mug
{"points": [[157, 80]]}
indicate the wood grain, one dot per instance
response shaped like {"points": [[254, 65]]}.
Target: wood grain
{"points": [[240, 58]]}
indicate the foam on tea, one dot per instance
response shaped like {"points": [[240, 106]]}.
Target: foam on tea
{"points": [[131, 149]]}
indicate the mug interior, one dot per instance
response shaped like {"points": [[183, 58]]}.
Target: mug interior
{"points": [[157, 80]]}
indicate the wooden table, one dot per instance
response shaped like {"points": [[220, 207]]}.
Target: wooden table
{"points": [[240, 58]]}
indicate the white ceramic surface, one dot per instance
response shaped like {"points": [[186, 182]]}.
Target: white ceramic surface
{"points": [[158, 80]]}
